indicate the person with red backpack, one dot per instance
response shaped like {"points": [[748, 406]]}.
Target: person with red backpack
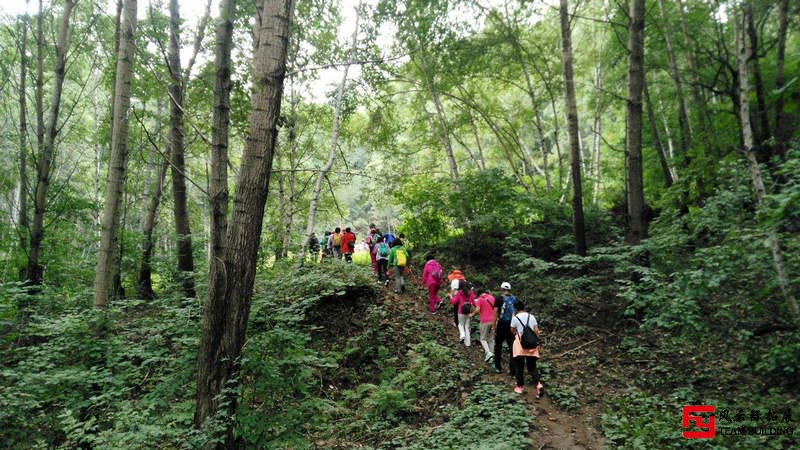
{"points": [[432, 279]]}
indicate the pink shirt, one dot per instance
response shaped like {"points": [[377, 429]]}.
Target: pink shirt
{"points": [[459, 299], [486, 304]]}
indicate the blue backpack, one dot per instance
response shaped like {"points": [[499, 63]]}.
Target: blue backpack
{"points": [[507, 308]]}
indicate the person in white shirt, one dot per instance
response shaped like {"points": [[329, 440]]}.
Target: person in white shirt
{"points": [[524, 356]]}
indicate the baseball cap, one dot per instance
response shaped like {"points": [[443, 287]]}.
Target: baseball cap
{"points": [[505, 286]]}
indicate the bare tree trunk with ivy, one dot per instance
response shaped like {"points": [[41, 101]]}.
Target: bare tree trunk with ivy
{"points": [[743, 56], [312, 208], [115, 182], [47, 153], [228, 305], [578, 226]]}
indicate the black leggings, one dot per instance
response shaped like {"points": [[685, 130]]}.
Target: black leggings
{"points": [[503, 334], [519, 369]]}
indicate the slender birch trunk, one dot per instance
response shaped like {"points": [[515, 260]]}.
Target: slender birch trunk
{"points": [[572, 129], [597, 130], [144, 289], [115, 182], [743, 56], [683, 116], [662, 158], [323, 172], [47, 153]]}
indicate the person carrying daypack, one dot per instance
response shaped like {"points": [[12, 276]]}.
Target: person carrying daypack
{"points": [[526, 347], [372, 240], [484, 306], [503, 313], [335, 243], [464, 301], [389, 238], [382, 259], [432, 279], [313, 246], [348, 244], [398, 261], [453, 278]]}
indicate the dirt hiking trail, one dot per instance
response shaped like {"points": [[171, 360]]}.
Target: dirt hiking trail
{"points": [[553, 427]]}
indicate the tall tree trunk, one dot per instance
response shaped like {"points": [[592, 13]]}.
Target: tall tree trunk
{"points": [[537, 117], [662, 158], [638, 224], [292, 178], [144, 288], [22, 212], [182, 229], [144, 285], [597, 130], [781, 130], [683, 117], [743, 56], [323, 172], [115, 182], [572, 129], [220, 124], [228, 306], [48, 150], [762, 132]]}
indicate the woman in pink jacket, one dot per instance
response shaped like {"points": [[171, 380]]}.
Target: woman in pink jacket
{"points": [[432, 279], [464, 301], [484, 306]]}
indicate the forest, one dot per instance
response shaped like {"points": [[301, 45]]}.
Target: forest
{"points": [[167, 168]]}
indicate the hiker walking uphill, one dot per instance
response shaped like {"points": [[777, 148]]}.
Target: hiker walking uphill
{"points": [[372, 241], [504, 312], [335, 243], [484, 307], [348, 244], [432, 279], [398, 260], [453, 278], [526, 347], [464, 301], [382, 259]]}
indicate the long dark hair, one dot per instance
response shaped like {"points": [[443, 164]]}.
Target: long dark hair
{"points": [[463, 286]]}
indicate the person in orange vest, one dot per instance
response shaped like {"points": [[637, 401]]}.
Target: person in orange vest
{"points": [[454, 276]]}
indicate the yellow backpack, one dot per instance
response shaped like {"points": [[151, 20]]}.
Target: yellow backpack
{"points": [[401, 258]]}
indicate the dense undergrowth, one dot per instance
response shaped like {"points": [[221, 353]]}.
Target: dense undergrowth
{"points": [[694, 315], [329, 362]]}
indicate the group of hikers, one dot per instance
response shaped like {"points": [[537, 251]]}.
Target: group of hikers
{"points": [[503, 320], [385, 250]]}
